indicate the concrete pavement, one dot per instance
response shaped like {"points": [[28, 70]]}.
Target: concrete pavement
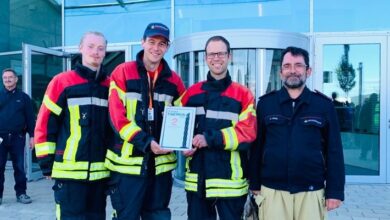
{"points": [[363, 202]]}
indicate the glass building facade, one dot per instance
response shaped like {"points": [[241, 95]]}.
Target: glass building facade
{"points": [[348, 42]]}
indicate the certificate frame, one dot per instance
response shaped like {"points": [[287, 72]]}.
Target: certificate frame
{"points": [[177, 128]]}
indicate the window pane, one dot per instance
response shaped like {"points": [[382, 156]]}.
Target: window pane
{"points": [[273, 62], [351, 15], [119, 23], [34, 22], [199, 15], [183, 67], [355, 91]]}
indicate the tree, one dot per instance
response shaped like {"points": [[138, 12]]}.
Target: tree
{"points": [[345, 72]]}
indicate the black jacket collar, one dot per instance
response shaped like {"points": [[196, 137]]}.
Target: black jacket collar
{"points": [[304, 97], [89, 74], [217, 85]]}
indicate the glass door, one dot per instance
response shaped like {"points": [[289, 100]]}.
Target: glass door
{"points": [[352, 70], [40, 65]]}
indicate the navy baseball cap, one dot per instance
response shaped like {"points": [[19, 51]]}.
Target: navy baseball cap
{"points": [[156, 29]]}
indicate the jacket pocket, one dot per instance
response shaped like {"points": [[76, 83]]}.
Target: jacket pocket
{"points": [[115, 195], [60, 194], [312, 121], [275, 120]]}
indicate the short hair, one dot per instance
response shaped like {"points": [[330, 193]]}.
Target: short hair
{"points": [[10, 70], [296, 51], [93, 33], [218, 38]]}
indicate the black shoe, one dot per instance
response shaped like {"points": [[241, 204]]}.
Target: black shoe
{"points": [[23, 198], [1, 200]]}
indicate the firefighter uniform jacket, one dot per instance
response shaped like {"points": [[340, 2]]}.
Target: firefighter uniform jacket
{"points": [[72, 132], [225, 115], [298, 146], [129, 100]]}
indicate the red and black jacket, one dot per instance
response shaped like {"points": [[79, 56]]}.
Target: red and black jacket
{"points": [[72, 132], [227, 119], [128, 107]]}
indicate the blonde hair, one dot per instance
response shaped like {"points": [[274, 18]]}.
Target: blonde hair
{"points": [[93, 33]]}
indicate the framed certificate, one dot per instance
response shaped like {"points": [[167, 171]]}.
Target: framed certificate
{"points": [[177, 128]]}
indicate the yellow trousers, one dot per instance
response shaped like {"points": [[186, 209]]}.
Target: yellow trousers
{"points": [[281, 205]]}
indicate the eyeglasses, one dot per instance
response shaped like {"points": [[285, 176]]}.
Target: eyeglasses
{"points": [[297, 66], [217, 54]]}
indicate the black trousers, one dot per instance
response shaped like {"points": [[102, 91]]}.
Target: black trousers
{"points": [[206, 209], [135, 197], [77, 200], [14, 145]]}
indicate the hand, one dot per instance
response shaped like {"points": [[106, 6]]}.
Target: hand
{"points": [[31, 143], [199, 141], [48, 177], [332, 204], [189, 153], [156, 148], [255, 192]]}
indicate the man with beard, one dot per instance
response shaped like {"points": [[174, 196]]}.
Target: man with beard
{"points": [[296, 163]]}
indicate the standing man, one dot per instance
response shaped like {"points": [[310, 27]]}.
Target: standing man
{"points": [[297, 160], [73, 133], [225, 126], [141, 181], [16, 118]]}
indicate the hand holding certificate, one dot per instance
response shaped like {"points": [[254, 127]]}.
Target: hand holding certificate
{"points": [[178, 128]]}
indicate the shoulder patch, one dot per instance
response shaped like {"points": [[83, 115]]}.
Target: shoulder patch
{"points": [[322, 94]]}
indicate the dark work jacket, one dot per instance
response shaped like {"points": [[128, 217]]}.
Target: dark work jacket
{"points": [[16, 112], [226, 117], [298, 146], [73, 132]]}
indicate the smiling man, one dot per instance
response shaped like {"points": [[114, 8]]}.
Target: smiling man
{"points": [[16, 118], [73, 133], [296, 163], [225, 126], [141, 180]]}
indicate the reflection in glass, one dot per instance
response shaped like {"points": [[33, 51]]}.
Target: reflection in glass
{"points": [[183, 67], [352, 80], [273, 62], [34, 22], [197, 16], [119, 23], [43, 68]]}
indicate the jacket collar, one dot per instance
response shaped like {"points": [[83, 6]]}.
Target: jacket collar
{"points": [[89, 74], [9, 91], [217, 85], [305, 96]]}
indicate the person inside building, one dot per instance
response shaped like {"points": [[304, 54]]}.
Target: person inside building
{"points": [[16, 118], [225, 126], [296, 163], [141, 180], [72, 134]]}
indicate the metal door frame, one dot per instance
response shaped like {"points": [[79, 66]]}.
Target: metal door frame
{"points": [[384, 131], [27, 51]]}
